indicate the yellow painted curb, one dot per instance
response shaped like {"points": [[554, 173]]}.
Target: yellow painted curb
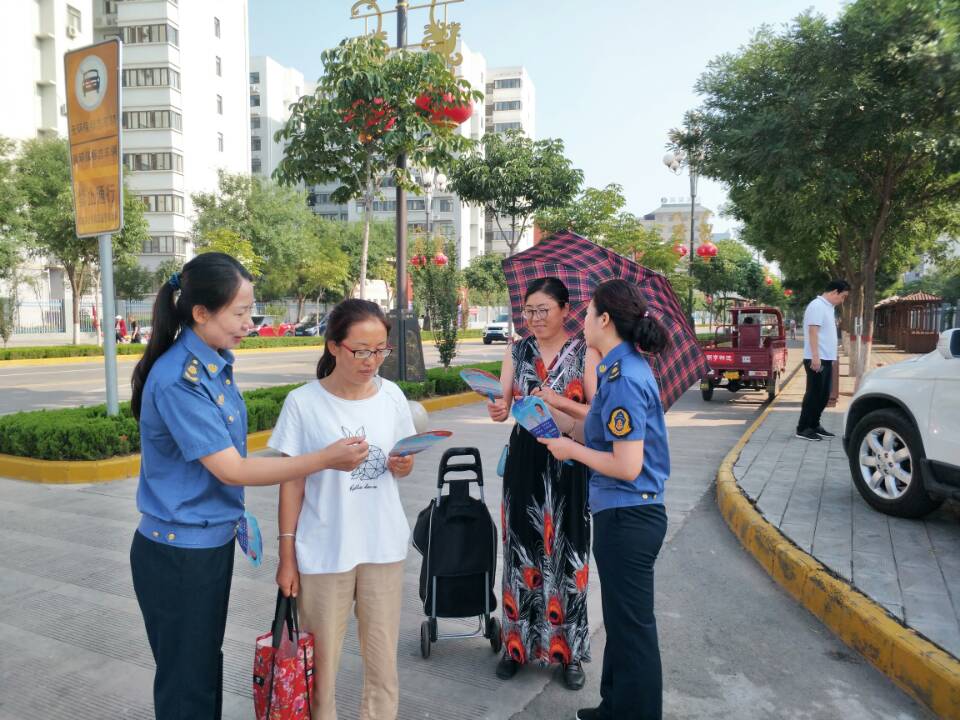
{"points": [[63, 472], [925, 672]]}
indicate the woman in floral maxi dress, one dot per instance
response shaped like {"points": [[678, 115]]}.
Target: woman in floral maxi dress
{"points": [[544, 515]]}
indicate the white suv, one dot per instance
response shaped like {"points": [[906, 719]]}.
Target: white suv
{"points": [[902, 432], [498, 330]]}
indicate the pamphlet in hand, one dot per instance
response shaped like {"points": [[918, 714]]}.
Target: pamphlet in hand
{"points": [[249, 538], [483, 382], [532, 413], [418, 443]]}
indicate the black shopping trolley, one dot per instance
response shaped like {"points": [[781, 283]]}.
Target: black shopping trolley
{"points": [[458, 541]]}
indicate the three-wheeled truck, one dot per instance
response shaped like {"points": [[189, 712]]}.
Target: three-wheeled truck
{"points": [[749, 353]]}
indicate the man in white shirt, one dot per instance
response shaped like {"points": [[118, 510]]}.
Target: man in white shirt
{"points": [[819, 355]]}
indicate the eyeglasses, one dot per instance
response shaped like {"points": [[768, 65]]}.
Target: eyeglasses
{"points": [[539, 313], [364, 354]]}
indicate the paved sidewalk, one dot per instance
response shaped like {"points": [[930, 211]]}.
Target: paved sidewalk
{"points": [[911, 567]]}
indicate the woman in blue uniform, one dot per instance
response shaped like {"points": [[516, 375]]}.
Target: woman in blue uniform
{"points": [[625, 446], [193, 437]]}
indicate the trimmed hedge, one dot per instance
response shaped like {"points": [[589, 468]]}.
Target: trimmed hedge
{"points": [[87, 433]]}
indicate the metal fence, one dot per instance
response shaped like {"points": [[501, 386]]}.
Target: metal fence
{"points": [[39, 317]]}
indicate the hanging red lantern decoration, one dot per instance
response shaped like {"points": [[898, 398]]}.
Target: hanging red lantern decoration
{"points": [[418, 261], [788, 292], [680, 250], [446, 114], [769, 280], [707, 250], [370, 120], [440, 259]]}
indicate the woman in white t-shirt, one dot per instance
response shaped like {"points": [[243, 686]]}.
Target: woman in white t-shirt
{"points": [[344, 535]]}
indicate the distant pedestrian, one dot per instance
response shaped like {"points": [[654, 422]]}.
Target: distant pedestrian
{"points": [[819, 355], [133, 327], [120, 328], [793, 328]]}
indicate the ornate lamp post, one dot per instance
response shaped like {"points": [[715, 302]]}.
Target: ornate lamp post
{"points": [[675, 162], [431, 181]]}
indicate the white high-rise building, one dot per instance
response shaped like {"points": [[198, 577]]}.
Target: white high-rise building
{"points": [[185, 100], [273, 89], [672, 219], [34, 36], [449, 217]]}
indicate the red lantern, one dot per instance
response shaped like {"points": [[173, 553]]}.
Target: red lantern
{"points": [[769, 281], [788, 292], [458, 113], [707, 251], [418, 261], [446, 114], [680, 250], [440, 259]]}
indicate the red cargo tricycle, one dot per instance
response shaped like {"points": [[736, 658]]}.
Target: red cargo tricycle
{"points": [[749, 353]]}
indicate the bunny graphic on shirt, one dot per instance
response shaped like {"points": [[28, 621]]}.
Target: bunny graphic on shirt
{"points": [[370, 469]]}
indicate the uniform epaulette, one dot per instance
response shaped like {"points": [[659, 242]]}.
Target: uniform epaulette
{"points": [[191, 371], [614, 372]]}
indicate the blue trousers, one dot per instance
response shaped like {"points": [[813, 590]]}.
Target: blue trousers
{"points": [[183, 595], [626, 542]]}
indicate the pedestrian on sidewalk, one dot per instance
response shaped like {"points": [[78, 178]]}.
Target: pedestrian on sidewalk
{"points": [[544, 516], [193, 441], [819, 354], [626, 448], [344, 535]]}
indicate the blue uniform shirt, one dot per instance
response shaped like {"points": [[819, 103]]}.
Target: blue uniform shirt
{"points": [[627, 406], [191, 408]]}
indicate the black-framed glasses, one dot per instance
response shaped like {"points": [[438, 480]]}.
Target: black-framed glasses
{"points": [[366, 354], [539, 313]]}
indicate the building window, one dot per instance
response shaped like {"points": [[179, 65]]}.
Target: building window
{"points": [[503, 127], [512, 105], [151, 77], [255, 165], [220, 104], [254, 123], [152, 119], [220, 142], [165, 245], [143, 162], [74, 21], [139, 34], [216, 26], [110, 7], [507, 83], [254, 100], [255, 78], [416, 204], [255, 143], [219, 67], [163, 203], [442, 205]]}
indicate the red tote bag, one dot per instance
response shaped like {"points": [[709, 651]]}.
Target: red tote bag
{"points": [[283, 670]]}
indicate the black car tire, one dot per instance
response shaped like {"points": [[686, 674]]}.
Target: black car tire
{"points": [[706, 393], [487, 341], [773, 387], [915, 502]]}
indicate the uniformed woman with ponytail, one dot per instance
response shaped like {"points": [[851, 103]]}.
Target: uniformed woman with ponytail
{"points": [[194, 464], [625, 445]]}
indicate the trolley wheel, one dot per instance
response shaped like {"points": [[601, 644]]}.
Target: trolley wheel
{"points": [[493, 634], [425, 639], [432, 622]]}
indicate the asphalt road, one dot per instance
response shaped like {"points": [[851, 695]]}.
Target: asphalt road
{"points": [[75, 384]]}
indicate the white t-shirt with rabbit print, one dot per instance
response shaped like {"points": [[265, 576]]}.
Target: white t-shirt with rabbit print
{"points": [[348, 518]]}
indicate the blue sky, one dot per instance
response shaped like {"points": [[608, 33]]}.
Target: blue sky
{"points": [[612, 76]]}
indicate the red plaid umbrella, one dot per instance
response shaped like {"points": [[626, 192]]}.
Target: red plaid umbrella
{"points": [[582, 265]]}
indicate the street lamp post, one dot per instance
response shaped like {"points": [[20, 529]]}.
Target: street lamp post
{"points": [[675, 162], [431, 181]]}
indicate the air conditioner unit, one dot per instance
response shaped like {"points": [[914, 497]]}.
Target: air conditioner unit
{"points": [[71, 31], [111, 19], [255, 87]]}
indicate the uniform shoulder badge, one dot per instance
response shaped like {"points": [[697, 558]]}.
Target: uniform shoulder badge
{"points": [[614, 371], [190, 371], [619, 423]]}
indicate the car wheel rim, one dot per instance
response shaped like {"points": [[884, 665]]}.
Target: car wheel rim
{"points": [[886, 465]]}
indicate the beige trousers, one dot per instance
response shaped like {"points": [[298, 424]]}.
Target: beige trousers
{"points": [[374, 592]]}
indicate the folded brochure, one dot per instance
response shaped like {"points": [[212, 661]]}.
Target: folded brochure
{"points": [[532, 413], [418, 443], [483, 383]]}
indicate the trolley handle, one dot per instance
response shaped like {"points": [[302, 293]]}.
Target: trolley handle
{"points": [[446, 467]]}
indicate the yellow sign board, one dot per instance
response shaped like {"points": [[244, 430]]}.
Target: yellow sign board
{"points": [[92, 79]]}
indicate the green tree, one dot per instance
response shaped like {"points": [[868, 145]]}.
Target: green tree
{"points": [[515, 177], [163, 272], [485, 281], [591, 214], [439, 288], [43, 179], [840, 141], [321, 265], [10, 219], [365, 113], [381, 251], [132, 281], [6, 319], [228, 241]]}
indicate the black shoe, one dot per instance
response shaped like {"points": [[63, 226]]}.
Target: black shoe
{"points": [[823, 432], [507, 667], [590, 714], [808, 435], [573, 676]]}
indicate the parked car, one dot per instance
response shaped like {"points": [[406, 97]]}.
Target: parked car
{"points": [[901, 432], [312, 326], [498, 330], [263, 326]]}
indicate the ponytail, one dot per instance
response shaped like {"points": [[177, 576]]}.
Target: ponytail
{"points": [[627, 309], [211, 280]]}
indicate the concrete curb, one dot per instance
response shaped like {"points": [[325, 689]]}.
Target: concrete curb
{"points": [[921, 669], [65, 472]]}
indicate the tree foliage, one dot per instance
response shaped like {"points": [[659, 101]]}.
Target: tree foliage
{"points": [[439, 289], [225, 240], [840, 141], [515, 177], [10, 219], [485, 281], [590, 215]]}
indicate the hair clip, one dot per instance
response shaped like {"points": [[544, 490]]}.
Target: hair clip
{"points": [[174, 281]]}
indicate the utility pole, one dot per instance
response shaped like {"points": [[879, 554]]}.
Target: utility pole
{"points": [[401, 226]]}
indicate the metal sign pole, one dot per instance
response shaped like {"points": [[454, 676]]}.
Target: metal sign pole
{"points": [[109, 311], [401, 216]]}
